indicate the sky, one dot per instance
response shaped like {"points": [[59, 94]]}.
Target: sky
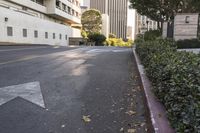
{"points": [[131, 19]]}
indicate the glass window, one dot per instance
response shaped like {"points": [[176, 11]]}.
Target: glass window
{"points": [[60, 36], [40, 2], [9, 31], [24, 32], [54, 36], [64, 7], [57, 3], [66, 37], [46, 35], [69, 10], [36, 34]]}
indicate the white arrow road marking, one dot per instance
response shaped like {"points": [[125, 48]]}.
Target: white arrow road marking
{"points": [[98, 50], [106, 50], [29, 91]]}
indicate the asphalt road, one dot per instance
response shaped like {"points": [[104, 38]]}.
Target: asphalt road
{"points": [[47, 89]]}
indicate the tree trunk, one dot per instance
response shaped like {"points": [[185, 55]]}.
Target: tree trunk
{"points": [[158, 23], [162, 26]]}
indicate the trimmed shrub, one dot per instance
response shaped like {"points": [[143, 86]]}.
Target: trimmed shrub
{"points": [[152, 35], [118, 42], [97, 38], [188, 43], [139, 39], [112, 35], [175, 78], [84, 34]]}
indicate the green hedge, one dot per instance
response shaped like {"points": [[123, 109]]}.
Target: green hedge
{"points": [[97, 38], [188, 43], [152, 35], [175, 77]]}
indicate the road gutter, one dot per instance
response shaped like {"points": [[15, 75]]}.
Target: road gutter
{"points": [[156, 111]]}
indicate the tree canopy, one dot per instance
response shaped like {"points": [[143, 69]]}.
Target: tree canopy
{"points": [[164, 10], [91, 21]]}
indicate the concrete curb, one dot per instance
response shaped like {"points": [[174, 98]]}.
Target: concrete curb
{"points": [[156, 111]]}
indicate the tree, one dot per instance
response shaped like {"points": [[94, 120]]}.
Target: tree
{"points": [[164, 10], [157, 10], [91, 21]]}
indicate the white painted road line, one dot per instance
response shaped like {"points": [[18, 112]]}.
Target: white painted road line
{"points": [[18, 60], [18, 49], [29, 91], [26, 58]]}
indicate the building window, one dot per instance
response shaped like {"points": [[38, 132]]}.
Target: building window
{"points": [[77, 3], [58, 4], [60, 36], [41, 2], [46, 35], [64, 7], [69, 10], [73, 12], [24, 32], [77, 14], [66, 37], [54, 36], [9, 31], [36, 34]]}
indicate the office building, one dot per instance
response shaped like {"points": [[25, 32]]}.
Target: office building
{"points": [[144, 24], [117, 12], [39, 21]]}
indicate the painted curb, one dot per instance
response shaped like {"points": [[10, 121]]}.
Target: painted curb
{"points": [[156, 111]]}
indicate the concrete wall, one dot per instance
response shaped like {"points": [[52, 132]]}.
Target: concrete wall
{"points": [[20, 21], [76, 41], [164, 31], [183, 30], [105, 24]]}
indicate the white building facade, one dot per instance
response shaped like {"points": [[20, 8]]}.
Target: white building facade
{"points": [[144, 24], [39, 21]]}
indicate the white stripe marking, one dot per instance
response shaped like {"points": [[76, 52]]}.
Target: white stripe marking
{"points": [[17, 49]]}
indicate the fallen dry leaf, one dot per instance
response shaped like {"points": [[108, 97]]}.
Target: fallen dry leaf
{"points": [[86, 119], [131, 112], [122, 129], [62, 126], [142, 124], [131, 131]]}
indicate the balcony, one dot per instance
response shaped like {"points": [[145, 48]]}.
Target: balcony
{"points": [[66, 16], [32, 4], [64, 11]]}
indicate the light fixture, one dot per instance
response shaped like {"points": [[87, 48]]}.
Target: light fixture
{"points": [[187, 19], [6, 19]]}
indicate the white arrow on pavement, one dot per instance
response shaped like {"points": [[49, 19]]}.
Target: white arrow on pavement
{"points": [[29, 91], [107, 50]]}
